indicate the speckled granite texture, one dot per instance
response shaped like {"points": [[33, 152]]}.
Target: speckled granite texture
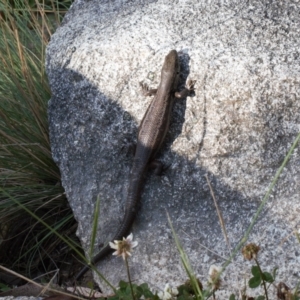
{"points": [[237, 129]]}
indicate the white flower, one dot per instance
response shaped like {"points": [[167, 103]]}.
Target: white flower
{"points": [[214, 277], [168, 293], [214, 269], [123, 248]]}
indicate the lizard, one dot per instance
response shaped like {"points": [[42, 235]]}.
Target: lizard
{"points": [[151, 134]]}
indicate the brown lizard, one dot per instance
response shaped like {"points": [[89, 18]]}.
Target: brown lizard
{"points": [[151, 134]]}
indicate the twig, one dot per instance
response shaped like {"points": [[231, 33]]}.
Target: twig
{"points": [[219, 215], [42, 287]]}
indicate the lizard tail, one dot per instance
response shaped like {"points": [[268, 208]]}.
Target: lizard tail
{"points": [[132, 203]]}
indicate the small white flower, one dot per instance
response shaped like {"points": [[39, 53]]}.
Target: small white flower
{"points": [[214, 277], [164, 295], [213, 270], [168, 293], [123, 248]]}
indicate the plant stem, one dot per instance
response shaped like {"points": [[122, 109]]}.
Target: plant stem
{"points": [[129, 279], [262, 277]]}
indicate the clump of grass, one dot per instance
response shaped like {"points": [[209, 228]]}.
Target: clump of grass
{"points": [[27, 172]]}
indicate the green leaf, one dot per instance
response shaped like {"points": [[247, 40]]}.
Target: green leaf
{"points": [[123, 285], [185, 297], [146, 291], [144, 286], [255, 271], [94, 226], [127, 292], [274, 272], [232, 297], [4, 287], [254, 282], [260, 298], [137, 290], [268, 277]]}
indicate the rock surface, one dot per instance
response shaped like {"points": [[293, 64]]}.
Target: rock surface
{"points": [[237, 129]]}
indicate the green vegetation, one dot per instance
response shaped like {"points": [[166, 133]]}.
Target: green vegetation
{"points": [[27, 171]]}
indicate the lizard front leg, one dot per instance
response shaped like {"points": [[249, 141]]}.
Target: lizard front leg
{"points": [[189, 88], [146, 90]]}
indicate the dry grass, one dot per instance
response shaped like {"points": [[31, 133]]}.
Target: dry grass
{"points": [[27, 172]]}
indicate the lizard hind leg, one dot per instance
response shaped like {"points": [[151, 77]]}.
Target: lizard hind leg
{"points": [[158, 167], [130, 149], [188, 90]]}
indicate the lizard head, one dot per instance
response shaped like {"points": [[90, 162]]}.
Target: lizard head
{"points": [[171, 68]]}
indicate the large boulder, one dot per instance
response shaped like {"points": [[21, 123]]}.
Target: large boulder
{"points": [[237, 129]]}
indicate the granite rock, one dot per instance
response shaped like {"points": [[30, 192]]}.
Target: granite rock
{"points": [[237, 129]]}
